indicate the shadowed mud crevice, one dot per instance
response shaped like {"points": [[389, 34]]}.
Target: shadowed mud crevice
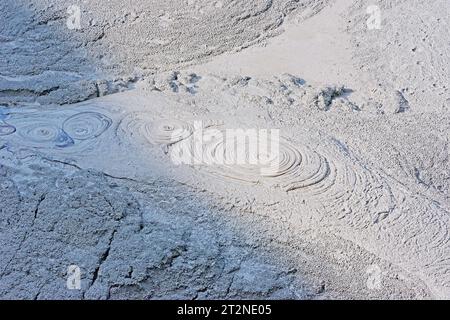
{"points": [[29, 230], [103, 258]]}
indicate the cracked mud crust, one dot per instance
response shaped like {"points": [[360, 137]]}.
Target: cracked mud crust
{"points": [[133, 241]]}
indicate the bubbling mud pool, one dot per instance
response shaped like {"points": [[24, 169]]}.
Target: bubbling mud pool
{"points": [[325, 181], [359, 172], [54, 132]]}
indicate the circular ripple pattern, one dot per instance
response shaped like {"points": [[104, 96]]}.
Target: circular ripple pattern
{"points": [[37, 132], [156, 132], [169, 131], [287, 166], [6, 129], [86, 125]]}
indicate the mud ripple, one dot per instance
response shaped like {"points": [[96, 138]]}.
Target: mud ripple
{"points": [[38, 132], [86, 125], [6, 129], [143, 127], [290, 168]]}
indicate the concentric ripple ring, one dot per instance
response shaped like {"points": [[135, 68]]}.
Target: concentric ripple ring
{"points": [[6, 129], [288, 166], [40, 133], [155, 131], [86, 125]]}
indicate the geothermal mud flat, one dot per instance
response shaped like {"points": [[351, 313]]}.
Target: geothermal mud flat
{"points": [[91, 118]]}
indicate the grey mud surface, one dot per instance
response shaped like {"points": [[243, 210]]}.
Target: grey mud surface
{"points": [[360, 210], [119, 42]]}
